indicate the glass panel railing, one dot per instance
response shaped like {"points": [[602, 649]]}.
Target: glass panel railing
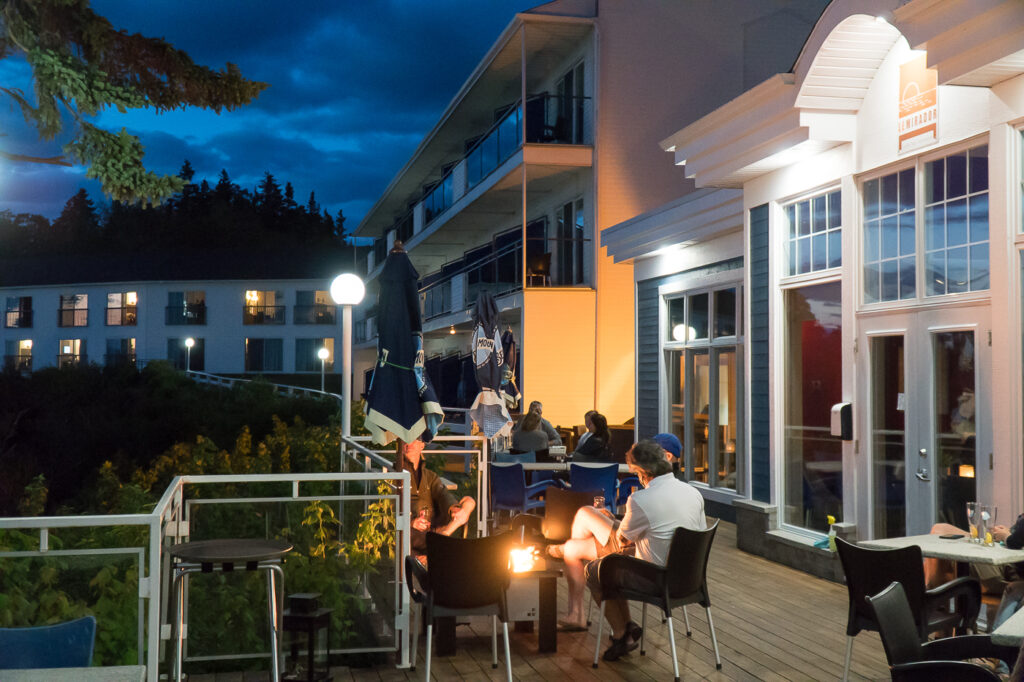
{"points": [[439, 198], [499, 143]]}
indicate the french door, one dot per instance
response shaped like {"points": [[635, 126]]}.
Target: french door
{"points": [[924, 379]]}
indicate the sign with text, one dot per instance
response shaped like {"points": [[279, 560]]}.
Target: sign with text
{"points": [[919, 104]]}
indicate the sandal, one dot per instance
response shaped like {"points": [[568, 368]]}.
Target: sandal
{"points": [[570, 626]]}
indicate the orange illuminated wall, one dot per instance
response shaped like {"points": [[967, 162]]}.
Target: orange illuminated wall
{"points": [[558, 357]]}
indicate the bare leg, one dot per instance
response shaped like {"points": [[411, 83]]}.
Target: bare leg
{"points": [[939, 571], [590, 530], [617, 613]]}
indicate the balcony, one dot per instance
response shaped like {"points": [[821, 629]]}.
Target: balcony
{"points": [[18, 319], [190, 314], [72, 317], [549, 120], [318, 313], [263, 314], [18, 363], [125, 316], [119, 359], [71, 359]]}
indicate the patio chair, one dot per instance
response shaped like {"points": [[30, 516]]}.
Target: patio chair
{"points": [[681, 581], [603, 477], [869, 571], [462, 577], [627, 486], [939, 659], [65, 645], [509, 490]]}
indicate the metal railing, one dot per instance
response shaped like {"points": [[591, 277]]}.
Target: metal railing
{"points": [[190, 313], [18, 319], [317, 313], [70, 359], [18, 363], [263, 314], [125, 316], [111, 359], [72, 317]]}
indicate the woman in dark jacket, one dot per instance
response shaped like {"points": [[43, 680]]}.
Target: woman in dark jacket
{"points": [[597, 448]]}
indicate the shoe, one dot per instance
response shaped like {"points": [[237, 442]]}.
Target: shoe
{"points": [[634, 631], [570, 626], [620, 647], [556, 551]]}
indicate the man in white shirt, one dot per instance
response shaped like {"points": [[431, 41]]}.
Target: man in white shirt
{"points": [[652, 515]]}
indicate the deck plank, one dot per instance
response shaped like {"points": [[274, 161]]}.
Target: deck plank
{"points": [[772, 622]]}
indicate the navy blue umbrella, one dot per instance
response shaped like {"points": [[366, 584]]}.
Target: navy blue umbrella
{"points": [[487, 351], [400, 402]]}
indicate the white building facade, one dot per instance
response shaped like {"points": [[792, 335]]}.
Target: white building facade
{"points": [[238, 326], [866, 208]]}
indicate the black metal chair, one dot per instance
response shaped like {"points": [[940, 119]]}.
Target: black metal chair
{"points": [[462, 577], [681, 581], [934, 661], [869, 571]]}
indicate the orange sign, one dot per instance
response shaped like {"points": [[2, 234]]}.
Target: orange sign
{"points": [[919, 104]]}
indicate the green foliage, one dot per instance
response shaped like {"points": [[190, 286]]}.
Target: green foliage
{"points": [[81, 65]]}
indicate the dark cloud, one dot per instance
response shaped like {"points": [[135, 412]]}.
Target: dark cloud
{"points": [[353, 88]]}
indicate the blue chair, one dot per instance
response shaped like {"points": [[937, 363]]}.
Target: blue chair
{"points": [[627, 486], [603, 477], [65, 645], [509, 490]]}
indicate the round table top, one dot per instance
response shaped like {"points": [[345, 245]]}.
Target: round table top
{"points": [[230, 550]]}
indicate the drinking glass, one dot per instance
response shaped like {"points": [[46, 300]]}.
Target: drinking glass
{"points": [[599, 501], [972, 520], [988, 521]]}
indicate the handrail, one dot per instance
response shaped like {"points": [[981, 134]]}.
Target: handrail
{"points": [[217, 380], [495, 255]]}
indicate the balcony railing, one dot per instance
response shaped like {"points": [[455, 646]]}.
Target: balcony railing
{"points": [[191, 313], [71, 359], [495, 146], [318, 313], [114, 359], [263, 314], [125, 316], [18, 319], [72, 317], [18, 363]]}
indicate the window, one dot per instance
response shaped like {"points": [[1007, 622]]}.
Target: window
{"points": [[307, 358], [185, 307], [179, 355], [569, 245], [19, 312], [122, 309], [889, 238], [120, 352], [814, 229], [952, 249], [263, 355], [956, 223], [702, 348], [70, 352], [262, 307], [813, 379], [315, 307], [18, 355], [73, 311]]}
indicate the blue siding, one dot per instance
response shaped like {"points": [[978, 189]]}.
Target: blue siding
{"points": [[757, 342], [649, 343]]}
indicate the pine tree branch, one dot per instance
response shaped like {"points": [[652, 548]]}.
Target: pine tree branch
{"points": [[52, 160]]}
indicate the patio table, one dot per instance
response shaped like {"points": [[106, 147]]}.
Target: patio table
{"points": [[116, 673], [561, 466], [959, 550], [1010, 633]]}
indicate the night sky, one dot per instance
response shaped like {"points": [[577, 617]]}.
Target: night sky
{"points": [[354, 86]]}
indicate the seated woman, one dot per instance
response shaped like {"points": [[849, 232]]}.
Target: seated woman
{"points": [[595, 447], [529, 435]]}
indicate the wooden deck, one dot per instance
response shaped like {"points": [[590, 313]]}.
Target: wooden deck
{"points": [[772, 623]]}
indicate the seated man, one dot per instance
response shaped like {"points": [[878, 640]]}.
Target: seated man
{"points": [[652, 515], [433, 506]]}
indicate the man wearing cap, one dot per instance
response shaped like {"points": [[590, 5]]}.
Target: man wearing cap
{"points": [[673, 449]]}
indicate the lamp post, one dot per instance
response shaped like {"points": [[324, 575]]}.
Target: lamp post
{"points": [[189, 342], [322, 354], [347, 290]]}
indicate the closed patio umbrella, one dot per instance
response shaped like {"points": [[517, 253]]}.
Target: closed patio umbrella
{"points": [[400, 402], [488, 410]]}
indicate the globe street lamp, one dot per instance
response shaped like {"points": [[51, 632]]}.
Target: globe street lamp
{"points": [[189, 342], [347, 290], [323, 353]]}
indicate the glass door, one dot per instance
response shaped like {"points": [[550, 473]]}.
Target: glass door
{"points": [[927, 420]]}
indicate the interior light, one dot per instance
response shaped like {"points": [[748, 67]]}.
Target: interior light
{"points": [[966, 471], [26, 344], [451, 329], [132, 298], [252, 297]]}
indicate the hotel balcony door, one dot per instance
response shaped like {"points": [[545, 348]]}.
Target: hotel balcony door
{"points": [[926, 423]]}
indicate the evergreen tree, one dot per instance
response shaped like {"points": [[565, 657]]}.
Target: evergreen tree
{"points": [[187, 172], [289, 198], [81, 65], [78, 221], [312, 208], [339, 226]]}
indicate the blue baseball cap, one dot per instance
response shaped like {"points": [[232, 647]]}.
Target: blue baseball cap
{"points": [[669, 443]]}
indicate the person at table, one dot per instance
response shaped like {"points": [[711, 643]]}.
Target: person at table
{"points": [[589, 428], [652, 516], [673, 449], [433, 506], [551, 436], [597, 446]]}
